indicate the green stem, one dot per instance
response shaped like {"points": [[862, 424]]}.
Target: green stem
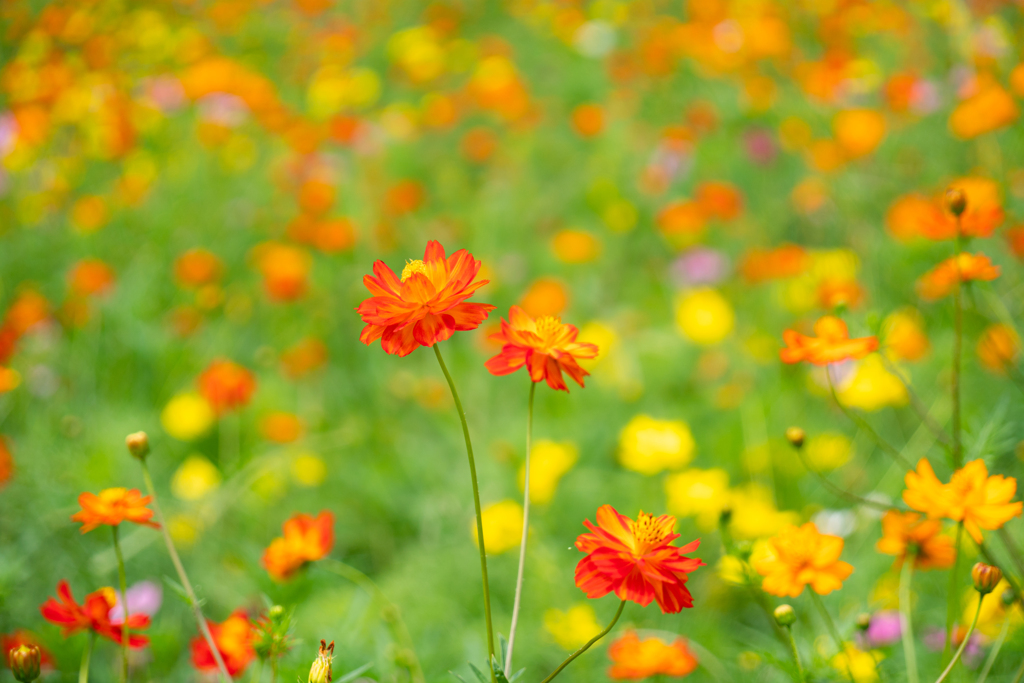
{"points": [[257, 669], [958, 334], [1012, 549], [863, 424], [801, 677], [273, 670], [996, 647], [1020, 674], [841, 492], [122, 579], [906, 626], [832, 629], [918, 405], [83, 670], [197, 611], [963, 645], [526, 532], [476, 504], [951, 594], [590, 642]]}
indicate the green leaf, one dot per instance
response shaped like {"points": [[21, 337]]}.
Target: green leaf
{"points": [[355, 673], [479, 674]]}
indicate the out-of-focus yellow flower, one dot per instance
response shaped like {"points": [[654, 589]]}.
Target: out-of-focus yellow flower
{"points": [[828, 451], [872, 387], [184, 529], [549, 461], [620, 215], [754, 514], [999, 347], [9, 379], [417, 51], [574, 627], [858, 663], [859, 131], [732, 569], [187, 416], [704, 316], [269, 485], [993, 611], [575, 246], [649, 446], [903, 335], [195, 478], [309, 469], [699, 493], [601, 334], [885, 593], [503, 526]]}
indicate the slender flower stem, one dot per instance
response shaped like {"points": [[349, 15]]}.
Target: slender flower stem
{"points": [[197, 610], [83, 670], [125, 634], [590, 642], [832, 629], [906, 626], [963, 645], [1011, 547], [1020, 674], [996, 647], [863, 424], [801, 676], [257, 670], [526, 532], [918, 405], [841, 492], [958, 336], [951, 595], [476, 503]]}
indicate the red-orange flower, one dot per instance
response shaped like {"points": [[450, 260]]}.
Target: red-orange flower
{"points": [[91, 277], [801, 556], [636, 560], [226, 385], [788, 260], [94, 615], [906, 533], [941, 280], [305, 540], [197, 267], [546, 346], [971, 496], [635, 659], [233, 638], [833, 344], [427, 305], [113, 506]]}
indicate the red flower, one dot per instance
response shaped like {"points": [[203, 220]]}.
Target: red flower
{"points": [[636, 560], [546, 346], [94, 615], [233, 638], [426, 306], [226, 385]]}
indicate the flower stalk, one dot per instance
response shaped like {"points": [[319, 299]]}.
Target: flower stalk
{"points": [[906, 625], [122, 579], [950, 595], [963, 645], [83, 669], [587, 645], [526, 532], [863, 424], [833, 631]]}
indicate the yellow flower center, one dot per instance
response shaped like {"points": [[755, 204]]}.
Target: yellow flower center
{"points": [[548, 325], [412, 267], [646, 532]]}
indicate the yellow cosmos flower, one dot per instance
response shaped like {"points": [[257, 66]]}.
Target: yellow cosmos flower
{"points": [[704, 316], [309, 469], [549, 461], [699, 493], [754, 514], [993, 611], [503, 526], [195, 478], [649, 446], [858, 663], [574, 627], [187, 417], [872, 387], [828, 451]]}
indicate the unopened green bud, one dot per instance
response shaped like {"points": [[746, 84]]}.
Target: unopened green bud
{"points": [[863, 621], [138, 445], [784, 615], [24, 661], [320, 672]]}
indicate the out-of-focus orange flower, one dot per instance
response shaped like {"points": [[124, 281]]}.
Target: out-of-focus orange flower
{"points": [[93, 615], [546, 296], [909, 216], [234, 640], [802, 556], [308, 355], [1015, 238], [636, 560], [588, 120], [788, 260], [427, 305], [281, 427], [479, 144], [197, 267], [833, 293], [941, 280], [335, 235], [681, 220], [971, 496], [12, 641], [999, 347], [914, 214], [9, 379], [575, 246], [903, 335], [545, 346], [906, 533], [720, 200], [285, 270], [306, 539], [316, 196], [634, 659], [28, 310], [226, 385], [404, 198], [6, 463], [826, 156], [113, 506], [91, 277], [831, 345], [991, 108], [89, 214], [859, 131]]}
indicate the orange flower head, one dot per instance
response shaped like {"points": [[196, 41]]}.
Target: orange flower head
{"points": [[831, 345], [233, 638], [306, 539], [788, 260], [226, 385], [802, 556], [719, 200], [427, 305], [634, 659], [113, 506], [6, 463], [93, 615], [197, 267], [941, 280], [971, 496], [285, 270], [636, 560], [546, 346], [907, 534], [303, 358], [91, 277]]}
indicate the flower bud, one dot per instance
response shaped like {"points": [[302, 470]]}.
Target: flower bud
{"points": [[138, 445], [986, 577], [784, 615], [956, 201], [863, 621], [320, 672], [796, 436], [24, 661]]}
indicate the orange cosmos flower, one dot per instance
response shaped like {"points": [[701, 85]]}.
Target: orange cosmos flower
{"points": [[545, 346], [971, 496], [94, 615], [906, 533], [761, 265], [91, 277], [941, 280], [226, 385], [636, 560], [303, 358], [197, 267], [6, 463], [833, 344], [305, 540], [801, 556], [635, 659], [233, 638], [113, 506], [426, 306]]}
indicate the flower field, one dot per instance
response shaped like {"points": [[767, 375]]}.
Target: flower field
{"points": [[511, 340]]}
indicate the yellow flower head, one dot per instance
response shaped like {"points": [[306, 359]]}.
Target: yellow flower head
{"points": [[873, 387], [573, 627], [704, 316], [549, 461], [754, 514], [503, 526], [700, 493], [649, 446], [854, 661], [187, 416], [194, 478], [828, 450]]}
